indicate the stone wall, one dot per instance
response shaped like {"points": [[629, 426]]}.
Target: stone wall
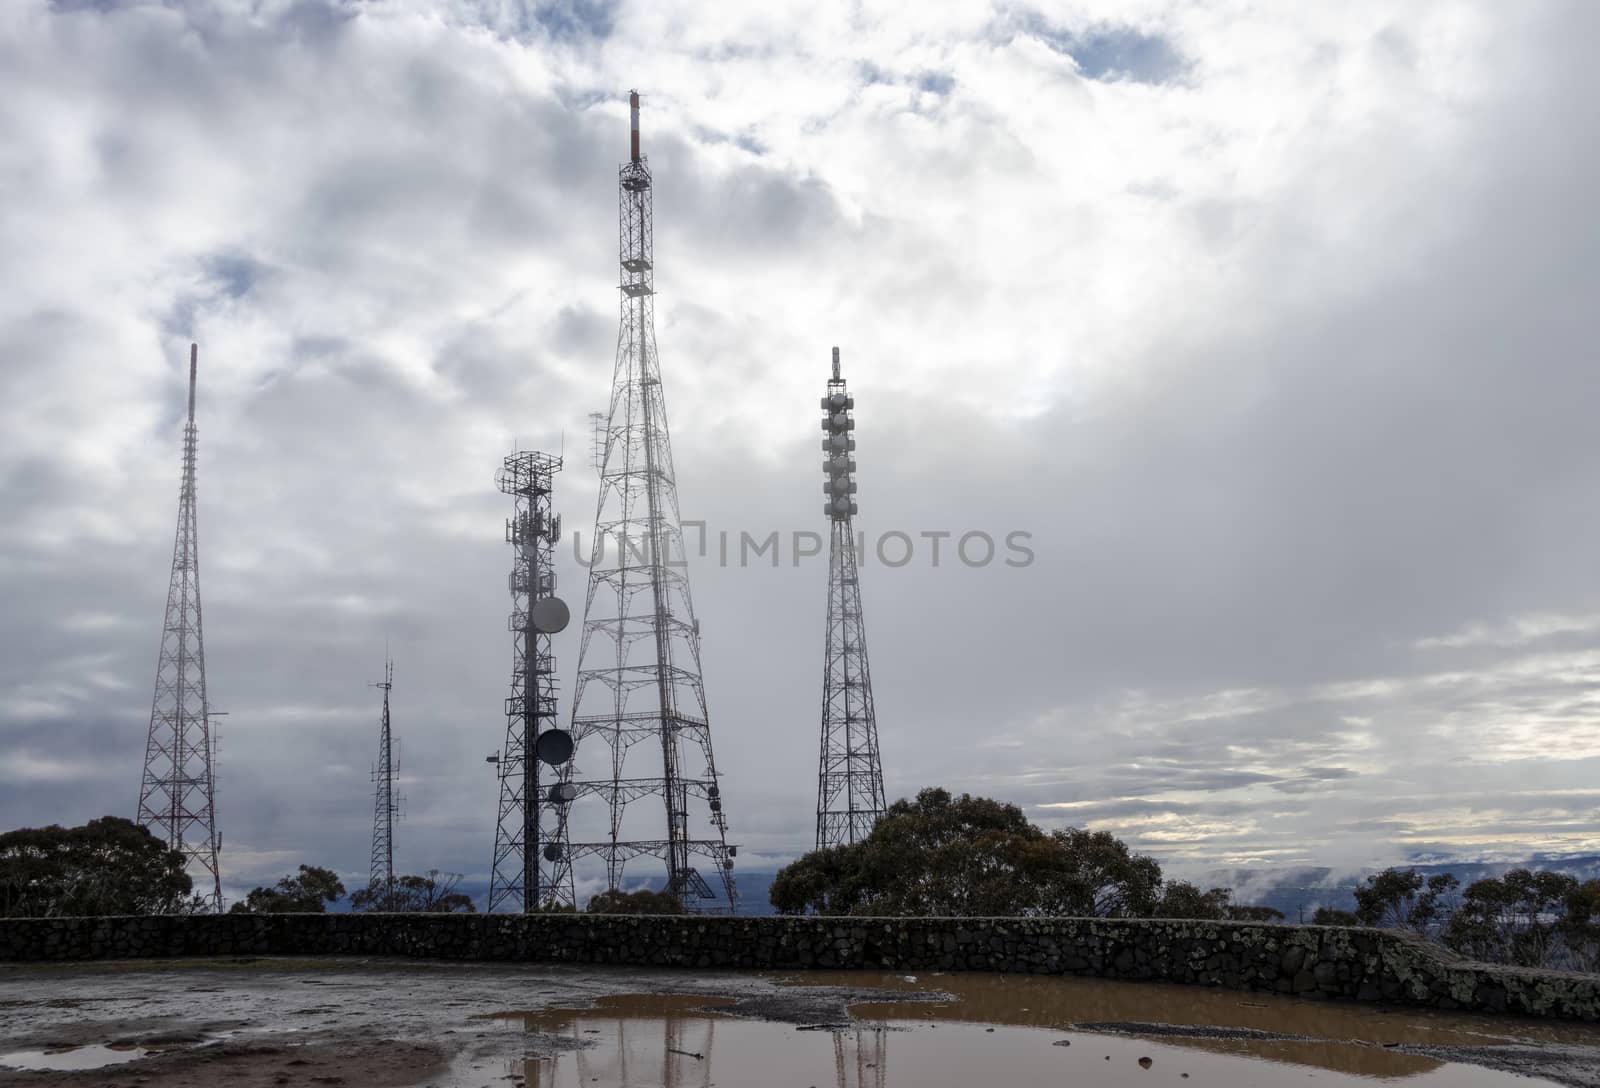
{"points": [[1308, 961]]}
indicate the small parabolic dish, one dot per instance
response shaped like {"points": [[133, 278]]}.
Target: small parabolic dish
{"points": [[552, 851], [563, 793], [836, 401], [550, 615], [554, 746]]}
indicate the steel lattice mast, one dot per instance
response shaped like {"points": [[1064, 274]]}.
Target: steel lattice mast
{"points": [[530, 866], [386, 806], [849, 775], [639, 675], [177, 795]]}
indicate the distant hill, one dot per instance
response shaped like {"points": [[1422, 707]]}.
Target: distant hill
{"points": [[1299, 892]]}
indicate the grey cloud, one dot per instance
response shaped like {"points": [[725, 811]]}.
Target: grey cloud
{"points": [[1108, 52], [1373, 441], [745, 209]]}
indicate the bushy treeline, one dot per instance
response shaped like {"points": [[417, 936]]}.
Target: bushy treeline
{"points": [[936, 855], [115, 866], [1525, 917], [311, 890], [968, 856], [107, 866]]}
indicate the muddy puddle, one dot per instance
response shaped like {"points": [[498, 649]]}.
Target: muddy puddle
{"points": [[96, 1056], [1002, 1030]]}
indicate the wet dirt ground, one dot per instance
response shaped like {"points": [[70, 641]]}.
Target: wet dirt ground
{"points": [[283, 1022]]}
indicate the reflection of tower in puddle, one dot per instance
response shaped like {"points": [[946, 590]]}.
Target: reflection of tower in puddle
{"points": [[670, 1041], [673, 1052], [858, 1058]]}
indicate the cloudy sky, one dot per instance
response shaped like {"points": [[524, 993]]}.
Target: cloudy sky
{"points": [[1274, 328]]}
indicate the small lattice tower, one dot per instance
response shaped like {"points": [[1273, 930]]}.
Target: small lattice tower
{"points": [[386, 804], [530, 866], [639, 717], [177, 795], [849, 776]]}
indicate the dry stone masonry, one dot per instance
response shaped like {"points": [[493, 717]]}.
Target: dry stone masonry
{"points": [[1306, 961]]}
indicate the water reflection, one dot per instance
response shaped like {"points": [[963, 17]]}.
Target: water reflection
{"points": [[669, 1040], [70, 1057], [858, 1058], [682, 1041], [651, 1039], [1059, 1002]]}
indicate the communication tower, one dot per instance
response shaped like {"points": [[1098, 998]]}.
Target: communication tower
{"points": [[386, 803], [639, 676], [531, 866], [849, 776], [177, 795]]}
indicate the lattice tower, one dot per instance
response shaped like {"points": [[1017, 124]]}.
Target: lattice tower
{"points": [[386, 803], [531, 867], [639, 704], [849, 776], [177, 795]]}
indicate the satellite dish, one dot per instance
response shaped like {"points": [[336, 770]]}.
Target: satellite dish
{"points": [[554, 746], [552, 851], [836, 401], [563, 793], [550, 615]]}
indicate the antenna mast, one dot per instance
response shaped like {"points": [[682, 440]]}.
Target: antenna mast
{"points": [[597, 441], [177, 794], [639, 675], [386, 804], [849, 777], [531, 864]]}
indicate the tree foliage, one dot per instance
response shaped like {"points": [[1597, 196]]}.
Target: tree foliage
{"points": [[1249, 913], [1580, 928], [645, 901], [1516, 918], [433, 893], [968, 856], [1524, 917], [1330, 916], [107, 866], [309, 892], [1405, 899], [1181, 899]]}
